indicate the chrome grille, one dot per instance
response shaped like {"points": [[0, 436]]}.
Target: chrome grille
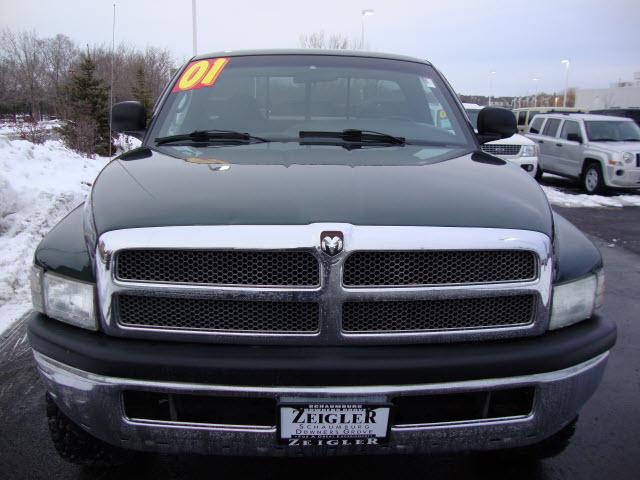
{"points": [[406, 284], [219, 267], [501, 149], [217, 315], [445, 314], [438, 267]]}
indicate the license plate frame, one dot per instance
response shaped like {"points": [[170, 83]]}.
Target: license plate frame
{"points": [[362, 436]]}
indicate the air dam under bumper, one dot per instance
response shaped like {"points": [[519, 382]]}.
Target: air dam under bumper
{"points": [[95, 402]]}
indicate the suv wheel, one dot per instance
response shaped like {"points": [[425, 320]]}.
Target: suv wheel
{"points": [[75, 445], [592, 178]]}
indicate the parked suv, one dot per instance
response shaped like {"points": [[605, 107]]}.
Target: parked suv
{"points": [[300, 260], [600, 151], [516, 149], [525, 115]]}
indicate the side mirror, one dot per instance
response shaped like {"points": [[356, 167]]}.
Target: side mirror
{"points": [[574, 137], [130, 118], [495, 123]]}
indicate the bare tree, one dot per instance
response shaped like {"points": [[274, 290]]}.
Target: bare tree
{"points": [[335, 41], [158, 67], [312, 40], [23, 54], [157, 64], [59, 54], [35, 74]]}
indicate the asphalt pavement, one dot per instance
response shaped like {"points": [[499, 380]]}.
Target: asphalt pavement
{"points": [[606, 444]]}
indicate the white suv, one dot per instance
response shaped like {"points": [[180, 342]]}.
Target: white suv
{"points": [[516, 149], [601, 151]]}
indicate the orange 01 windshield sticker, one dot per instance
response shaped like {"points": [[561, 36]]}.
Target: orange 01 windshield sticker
{"points": [[199, 74]]}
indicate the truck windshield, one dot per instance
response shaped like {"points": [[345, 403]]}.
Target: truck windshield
{"points": [[275, 97], [612, 131]]}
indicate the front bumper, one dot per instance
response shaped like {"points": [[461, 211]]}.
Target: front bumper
{"points": [[622, 177], [95, 403], [86, 373]]}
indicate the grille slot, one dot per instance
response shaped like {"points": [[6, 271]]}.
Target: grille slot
{"points": [[218, 315], [373, 268], [501, 149], [219, 267], [447, 314]]}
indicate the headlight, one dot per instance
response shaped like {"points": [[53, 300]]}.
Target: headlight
{"points": [[529, 151], [67, 300], [576, 301], [615, 160], [628, 157]]}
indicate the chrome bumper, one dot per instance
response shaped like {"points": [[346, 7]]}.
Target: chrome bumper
{"points": [[94, 402]]}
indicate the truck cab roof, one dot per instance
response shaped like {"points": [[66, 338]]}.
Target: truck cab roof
{"points": [[310, 51]]}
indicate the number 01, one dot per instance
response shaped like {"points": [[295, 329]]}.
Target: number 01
{"points": [[199, 74]]}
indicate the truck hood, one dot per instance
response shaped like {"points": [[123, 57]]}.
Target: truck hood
{"points": [[291, 184]]}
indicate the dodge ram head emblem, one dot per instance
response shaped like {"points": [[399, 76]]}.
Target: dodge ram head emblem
{"points": [[331, 243]]}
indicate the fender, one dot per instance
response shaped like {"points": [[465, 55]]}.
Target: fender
{"points": [[591, 153], [575, 255], [64, 251]]}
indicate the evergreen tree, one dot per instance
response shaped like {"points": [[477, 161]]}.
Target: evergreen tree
{"points": [[87, 128], [140, 90]]}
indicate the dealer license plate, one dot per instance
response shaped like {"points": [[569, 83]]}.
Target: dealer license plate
{"points": [[346, 424]]}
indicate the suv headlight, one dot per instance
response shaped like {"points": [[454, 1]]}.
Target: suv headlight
{"points": [[64, 299], [529, 151], [628, 157], [576, 301]]}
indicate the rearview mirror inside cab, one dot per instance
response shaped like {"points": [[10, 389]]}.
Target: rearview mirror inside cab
{"points": [[495, 123]]}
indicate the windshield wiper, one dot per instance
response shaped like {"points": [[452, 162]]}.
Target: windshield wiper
{"points": [[211, 136], [356, 136]]}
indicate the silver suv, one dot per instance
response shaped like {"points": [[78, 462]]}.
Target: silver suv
{"points": [[601, 151]]}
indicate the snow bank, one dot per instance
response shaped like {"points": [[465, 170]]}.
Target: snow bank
{"points": [[39, 185], [563, 199]]}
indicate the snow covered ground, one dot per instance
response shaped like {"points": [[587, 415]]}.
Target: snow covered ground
{"points": [[39, 185], [564, 199]]}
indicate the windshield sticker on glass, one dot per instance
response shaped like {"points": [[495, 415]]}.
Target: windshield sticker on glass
{"points": [[427, 82], [202, 73]]}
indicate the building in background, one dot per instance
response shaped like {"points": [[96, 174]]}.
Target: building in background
{"points": [[620, 95]]}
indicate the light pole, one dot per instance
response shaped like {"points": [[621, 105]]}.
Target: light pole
{"points": [[566, 81], [113, 46], [491, 74], [535, 91], [195, 27], [367, 12]]}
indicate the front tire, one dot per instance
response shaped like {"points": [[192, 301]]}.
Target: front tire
{"points": [[592, 180], [75, 445]]}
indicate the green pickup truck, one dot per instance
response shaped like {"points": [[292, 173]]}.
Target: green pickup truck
{"points": [[301, 260]]}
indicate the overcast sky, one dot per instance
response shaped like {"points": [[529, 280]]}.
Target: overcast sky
{"points": [[465, 39]]}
